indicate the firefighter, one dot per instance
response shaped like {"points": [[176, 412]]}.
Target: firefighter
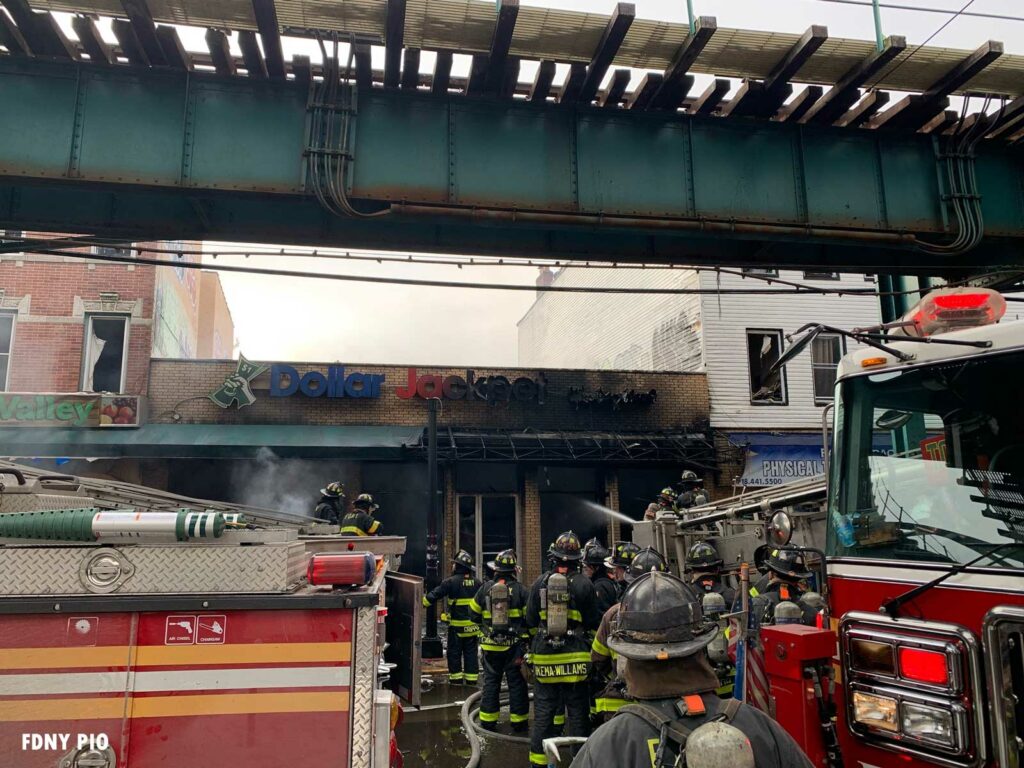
{"points": [[594, 556], [666, 502], [610, 688], [691, 491], [561, 612], [787, 574], [619, 561], [463, 632], [360, 521], [660, 633], [704, 569], [500, 604], [331, 506]]}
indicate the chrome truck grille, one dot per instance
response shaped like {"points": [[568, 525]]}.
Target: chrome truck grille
{"points": [[1003, 631]]}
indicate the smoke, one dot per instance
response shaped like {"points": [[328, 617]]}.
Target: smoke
{"points": [[288, 485]]}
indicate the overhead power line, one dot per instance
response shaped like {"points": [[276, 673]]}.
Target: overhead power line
{"points": [[789, 291], [922, 9], [931, 37]]}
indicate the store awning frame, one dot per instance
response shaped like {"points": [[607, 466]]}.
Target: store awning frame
{"points": [[693, 448], [214, 441]]}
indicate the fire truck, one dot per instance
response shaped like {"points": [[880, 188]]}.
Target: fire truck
{"points": [[140, 629], [921, 641]]}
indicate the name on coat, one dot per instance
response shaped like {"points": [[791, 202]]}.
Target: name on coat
{"points": [[285, 381], [491, 389]]}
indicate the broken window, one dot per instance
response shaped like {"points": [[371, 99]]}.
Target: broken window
{"points": [[106, 353], [826, 349], [6, 343], [763, 350]]}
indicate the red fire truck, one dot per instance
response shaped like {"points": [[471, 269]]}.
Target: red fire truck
{"points": [[151, 636], [924, 549]]}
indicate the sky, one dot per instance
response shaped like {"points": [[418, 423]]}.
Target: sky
{"points": [[293, 319]]}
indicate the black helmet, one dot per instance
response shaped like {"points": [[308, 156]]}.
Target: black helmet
{"points": [[623, 555], [646, 560], [689, 477], [660, 618], [333, 490], [567, 548], [595, 554], [365, 502], [702, 555], [464, 559], [505, 562], [788, 563]]}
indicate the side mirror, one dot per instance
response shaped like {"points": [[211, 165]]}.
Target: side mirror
{"points": [[891, 420]]}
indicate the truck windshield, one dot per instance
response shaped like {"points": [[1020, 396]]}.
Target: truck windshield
{"points": [[951, 487]]}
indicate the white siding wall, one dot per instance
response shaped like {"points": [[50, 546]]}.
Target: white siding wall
{"points": [[725, 320], [654, 332]]}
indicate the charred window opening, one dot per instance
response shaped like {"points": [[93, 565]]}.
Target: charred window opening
{"points": [[763, 349], [826, 349], [105, 357]]}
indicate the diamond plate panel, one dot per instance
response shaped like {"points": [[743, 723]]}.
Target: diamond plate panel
{"points": [[156, 569], [32, 502], [364, 662]]}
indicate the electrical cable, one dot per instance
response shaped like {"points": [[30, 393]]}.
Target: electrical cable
{"points": [[909, 56], [482, 286], [921, 9], [496, 262]]}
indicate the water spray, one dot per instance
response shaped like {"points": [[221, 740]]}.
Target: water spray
{"points": [[608, 512]]}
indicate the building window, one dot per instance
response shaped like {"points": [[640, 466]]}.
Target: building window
{"points": [[826, 349], [761, 271], [763, 349], [105, 357], [6, 344], [821, 275]]}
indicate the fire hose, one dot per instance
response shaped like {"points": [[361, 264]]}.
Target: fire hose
{"points": [[474, 730]]}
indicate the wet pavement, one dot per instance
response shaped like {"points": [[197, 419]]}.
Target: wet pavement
{"points": [[432, 736]]}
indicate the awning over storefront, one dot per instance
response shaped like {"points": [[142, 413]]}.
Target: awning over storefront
{"points": [[694, 448], [220, 441]]}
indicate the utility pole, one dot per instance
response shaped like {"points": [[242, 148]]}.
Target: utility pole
{"points": [[431, 648]]}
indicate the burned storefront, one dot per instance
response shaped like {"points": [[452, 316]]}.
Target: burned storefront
{"points": [[522, 454]]}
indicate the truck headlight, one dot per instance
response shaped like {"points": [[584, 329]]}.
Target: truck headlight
{"points": [[876, 711], [928, 723]]}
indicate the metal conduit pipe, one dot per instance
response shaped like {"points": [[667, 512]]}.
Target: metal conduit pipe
{"points": [[765, 505], [697, 225]]}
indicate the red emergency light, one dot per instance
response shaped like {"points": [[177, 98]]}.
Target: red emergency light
{"points": [[923, 666], [341, 570], [951, 309]]}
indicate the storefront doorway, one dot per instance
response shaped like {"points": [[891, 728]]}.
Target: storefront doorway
{"points": [[487, 525]]}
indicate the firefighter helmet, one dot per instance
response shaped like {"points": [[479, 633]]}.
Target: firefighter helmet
{"points": [[702, 556], [623, 555], [689, 478], [365, 502], [646, 560], [505, 562], [333, 490], [788, 563], [464, 560], [567, 548], [668, 495], [594, 553], [660, 618]]}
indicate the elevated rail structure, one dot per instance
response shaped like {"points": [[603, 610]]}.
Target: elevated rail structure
{"points": [[147, 140]]}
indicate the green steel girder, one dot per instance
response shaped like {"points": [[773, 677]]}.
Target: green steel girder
{"points": [[132, 152]]}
